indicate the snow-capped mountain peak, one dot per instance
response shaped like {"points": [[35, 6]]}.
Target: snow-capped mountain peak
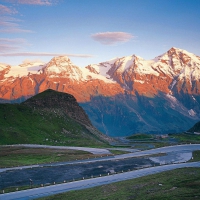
{"points": [[178, 63], [176, 70], [3, 66], [117, 64], [21, 70], [171, 68], [62, 67]]}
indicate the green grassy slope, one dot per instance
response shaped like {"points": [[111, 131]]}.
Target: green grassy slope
{"points": [[20, 123], [140, 136], [17, 156], [186, 137], [178, 184]]}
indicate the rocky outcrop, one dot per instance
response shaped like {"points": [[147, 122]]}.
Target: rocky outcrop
{"points": [[58, 101], [49, 117]]}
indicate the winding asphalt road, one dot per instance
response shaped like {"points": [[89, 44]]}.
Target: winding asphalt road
{"points": [[83, 184], [77, 185], [176, 150], [88, 149]]}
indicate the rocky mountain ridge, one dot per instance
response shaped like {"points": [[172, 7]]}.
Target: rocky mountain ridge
{"points": [[132, 84], [173, 72], [53, 100]]}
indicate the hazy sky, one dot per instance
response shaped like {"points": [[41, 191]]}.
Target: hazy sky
{"points": [[93, 31]]}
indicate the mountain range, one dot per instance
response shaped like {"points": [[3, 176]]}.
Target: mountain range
{"points": [[121, 96]]}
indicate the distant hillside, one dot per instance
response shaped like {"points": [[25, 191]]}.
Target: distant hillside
{"points": [[195, 128], [50, 117]]}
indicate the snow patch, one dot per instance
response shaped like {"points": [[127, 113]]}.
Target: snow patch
{"points": [[87, 75], [31, 80], [3, 66], [146, 67], [139, 81], [174, 82], [192, 112], [127, 62], [172, 98], [19, 71], [193, 98]]}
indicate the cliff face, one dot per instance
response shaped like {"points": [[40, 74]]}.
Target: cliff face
{"points": [[124, 115], [140, 95]]}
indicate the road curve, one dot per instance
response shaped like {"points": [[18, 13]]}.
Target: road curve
{"points": [[87, 149], [168, 149], [83, 184]]}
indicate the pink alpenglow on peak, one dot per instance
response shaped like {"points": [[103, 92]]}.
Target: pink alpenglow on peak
{"points": [[172, 72]]}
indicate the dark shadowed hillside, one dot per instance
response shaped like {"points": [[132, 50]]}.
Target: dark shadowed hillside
{"points": [[195, 128], [50, 117], [51, 100]]}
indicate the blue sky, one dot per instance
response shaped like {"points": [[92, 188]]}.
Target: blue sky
{"points": [[92, 31]]}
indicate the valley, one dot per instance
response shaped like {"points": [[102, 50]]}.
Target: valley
{"points": [[98, 171], [19, 155], [61, 165]]}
